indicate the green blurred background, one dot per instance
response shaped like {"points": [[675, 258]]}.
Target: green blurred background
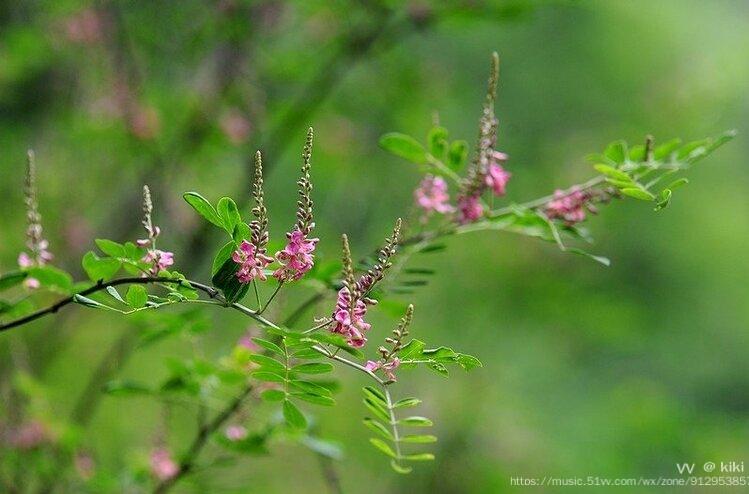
{"points": [[615, 372]]}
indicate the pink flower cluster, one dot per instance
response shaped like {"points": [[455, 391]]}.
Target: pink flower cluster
{"points": [[159, 260], [470, 207], [349, 319], [252, 263], [431, 195], [387, 368], [25, 261], [569, 206], [163, 467], [497, 177], [296, 258]]}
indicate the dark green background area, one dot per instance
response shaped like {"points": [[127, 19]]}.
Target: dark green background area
{"points": [[616, 372]]}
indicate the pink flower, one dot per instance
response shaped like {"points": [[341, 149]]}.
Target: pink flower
{"points": [[235, 126], [31, 283], [497, 177], [84, 465], [246, 342], [431, 195], [252, 264], [296, 258], [470, 209], [349, 321], [387, 368], [235, 433], [163, 466], [569, 206], [159, 260], [29, 435], [24, 260]]}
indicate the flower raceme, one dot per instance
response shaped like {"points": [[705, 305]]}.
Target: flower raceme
{"points": [[296, 258], [569, 206], [349, 318], [251, 263]]}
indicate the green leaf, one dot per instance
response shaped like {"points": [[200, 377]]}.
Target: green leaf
{"points": [[313, 368], [226, 279], [270, 346], [52, 277], [406, 402], [203, 208], [9, 280], [223, 255], [412, 349], [114, 293], [404, 146], [325, 448], [419, 438], [100, 268], [612, 172], [136, 296], [599, 259], [382, 446], [375, 394], [419, 457], [616, 152], [399, 468], [664, 199], [229, 214], [267, 363], [677, 183], [377, 409], [457, 155], [437, 139], [110, 248], [316, 399], [273, 395], [126, 388], [311, 388], [379, 428], [665, 150], [439, 368], [93, 304], [268, 376], [416, 422], [293, 416], [469, 362], [638, 193]]}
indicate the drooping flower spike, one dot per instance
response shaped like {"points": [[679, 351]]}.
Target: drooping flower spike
{"points": [[38, 253], [297, 257], [158, 260]]}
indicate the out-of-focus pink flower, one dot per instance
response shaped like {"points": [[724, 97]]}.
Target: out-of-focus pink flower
{"points": [[246, 342], [470, 209], [569, 206], [387, 368], [235, 432], [296, 258], [235, 126], [497, 177], [163, 467], [31, 283], [29, 435], [252, 264], [431, 195], [145, 123], [159, 260], [84, 465], [85, 27], [349, 321], [24, 260]]}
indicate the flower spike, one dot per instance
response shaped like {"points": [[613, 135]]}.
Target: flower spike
{"points": [[297, 257], [37, 245]]}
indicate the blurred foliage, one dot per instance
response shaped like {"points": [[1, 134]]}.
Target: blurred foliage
{"points": [[617, 372]]}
